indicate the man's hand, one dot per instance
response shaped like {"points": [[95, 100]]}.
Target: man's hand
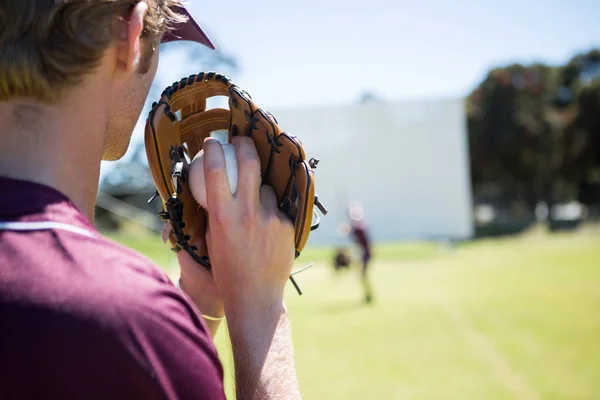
{"points": [[250, 242], [199, 285], [251, 247]]}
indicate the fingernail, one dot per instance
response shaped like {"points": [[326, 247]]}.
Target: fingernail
{"points": [[210, 143], [213, 158]]}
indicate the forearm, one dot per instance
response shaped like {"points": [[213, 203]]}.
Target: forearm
{"points": [[263, 353]]}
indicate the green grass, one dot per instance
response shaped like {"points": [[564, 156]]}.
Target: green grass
{"points": [[514, 318]]}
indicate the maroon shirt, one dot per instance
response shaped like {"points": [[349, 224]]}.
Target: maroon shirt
{"points": [[359, 233], [82, 317]]}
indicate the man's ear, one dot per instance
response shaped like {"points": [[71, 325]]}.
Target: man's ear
{"points": [[129, 44]]}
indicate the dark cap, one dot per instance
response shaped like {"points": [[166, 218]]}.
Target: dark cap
{"points": [[189, 30]]}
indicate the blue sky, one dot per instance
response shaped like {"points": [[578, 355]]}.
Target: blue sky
{"points": [[327, 52]]}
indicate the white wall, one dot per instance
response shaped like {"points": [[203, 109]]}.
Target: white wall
{"points": [[407, 163]]}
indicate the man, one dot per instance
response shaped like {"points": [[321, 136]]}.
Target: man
{"points": [[357, 230], [80, 316]]}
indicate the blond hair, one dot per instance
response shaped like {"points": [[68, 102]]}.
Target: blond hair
{"points": [[47, 46]]}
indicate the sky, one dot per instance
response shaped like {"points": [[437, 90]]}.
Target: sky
{"points": [[313, 53]]}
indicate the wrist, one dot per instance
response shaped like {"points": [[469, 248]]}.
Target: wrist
{"points": [[209, 308], [255, 307]]}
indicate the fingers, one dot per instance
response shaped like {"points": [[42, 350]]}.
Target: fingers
{"points": [[268, 200], [215, 174], [248, 168]]}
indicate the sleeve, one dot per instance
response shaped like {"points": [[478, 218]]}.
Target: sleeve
{"points": [[107, 355], [166, 336], [161, 330]]}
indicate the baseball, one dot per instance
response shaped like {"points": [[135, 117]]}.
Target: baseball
{"points": [[196, 173]]}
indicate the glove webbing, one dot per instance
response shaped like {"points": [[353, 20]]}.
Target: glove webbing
{"points": [[174, 207]]}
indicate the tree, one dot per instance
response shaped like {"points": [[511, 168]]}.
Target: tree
{"points": [[512, 138], [534, 133], [581, 84]]}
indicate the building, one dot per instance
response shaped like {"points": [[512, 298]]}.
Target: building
{"points": [[405, 161]]}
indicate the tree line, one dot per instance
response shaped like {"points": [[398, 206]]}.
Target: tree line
{"points": [[534, 134]]}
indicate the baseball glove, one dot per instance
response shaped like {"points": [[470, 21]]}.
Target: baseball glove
{"points": [[175, 131]]}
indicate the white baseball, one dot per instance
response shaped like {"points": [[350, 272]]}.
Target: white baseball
{"points": [[196, 173]]}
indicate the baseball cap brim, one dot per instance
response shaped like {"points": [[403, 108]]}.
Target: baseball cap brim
{"points": [[189, 30]]}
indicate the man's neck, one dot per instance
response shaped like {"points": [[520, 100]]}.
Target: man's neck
{"points": [[59, 146]]}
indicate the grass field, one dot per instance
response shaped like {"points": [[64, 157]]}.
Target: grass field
{"points": [[515, 318]]}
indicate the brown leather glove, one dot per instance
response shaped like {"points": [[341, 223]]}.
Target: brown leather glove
{"points": [[175, 131]]}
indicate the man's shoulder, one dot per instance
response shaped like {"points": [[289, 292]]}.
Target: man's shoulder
{"points": [[112, 343], [109, 250], [91, 277], [109, 303], [128, 286], [157, 325]]}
